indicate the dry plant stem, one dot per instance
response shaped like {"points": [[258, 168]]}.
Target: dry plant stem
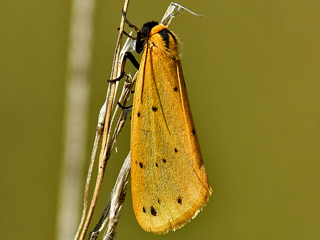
{"points": [[94, 234], [123, 97], [116, 68], [121, 121], [76, 117], [118, 128], [114, 205], [117, 199], [92, 160]]}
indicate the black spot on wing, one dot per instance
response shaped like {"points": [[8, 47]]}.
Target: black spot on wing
{"points": [[153, 211]]}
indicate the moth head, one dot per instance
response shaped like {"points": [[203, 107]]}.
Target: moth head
{"points": [[146, 28]]}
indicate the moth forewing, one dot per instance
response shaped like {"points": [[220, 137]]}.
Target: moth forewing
{"points": [[169, 182]]}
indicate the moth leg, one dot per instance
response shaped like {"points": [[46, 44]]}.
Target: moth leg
{"points": [[129, 23], [129, 36], [132, 59], [127, 55], [124, 107], [139, 39]]}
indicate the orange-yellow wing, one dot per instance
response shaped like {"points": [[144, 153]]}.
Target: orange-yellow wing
{"points": [[169, 182]]}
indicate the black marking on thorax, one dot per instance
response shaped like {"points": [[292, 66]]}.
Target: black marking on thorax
{"points": [[164, 33]]}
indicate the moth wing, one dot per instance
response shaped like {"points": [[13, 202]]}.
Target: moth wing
{"points": [[169, 182]]}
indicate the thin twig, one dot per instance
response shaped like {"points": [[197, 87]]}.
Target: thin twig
{"points": [[117, 199], [123, 97], [116, 68], [92, 160], [112, 210]]}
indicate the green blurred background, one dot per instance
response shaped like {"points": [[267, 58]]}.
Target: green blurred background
{"points": [[253, 73]]}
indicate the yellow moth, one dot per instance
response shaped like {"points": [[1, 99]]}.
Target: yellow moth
{"points": [[169, 182]]}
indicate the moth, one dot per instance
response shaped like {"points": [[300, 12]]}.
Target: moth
{"points": [[169, 181]]}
